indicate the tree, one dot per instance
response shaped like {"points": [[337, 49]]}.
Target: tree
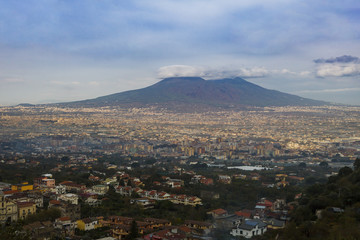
{"points": [[133, 231], [324, 164], [302, 165], [357, 164], [345, 171]]}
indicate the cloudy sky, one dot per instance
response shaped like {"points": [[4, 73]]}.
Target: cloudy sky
{"points": [[55, 51]]}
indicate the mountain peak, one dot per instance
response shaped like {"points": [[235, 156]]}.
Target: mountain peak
{"points": [[195, 92], [177, 79]]}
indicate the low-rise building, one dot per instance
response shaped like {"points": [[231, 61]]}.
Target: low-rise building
{"points": [[87, 224], [69, 197], [65, 225], [25, 186], [100, 189], [8, 210], [25, 209], [249, 229]]}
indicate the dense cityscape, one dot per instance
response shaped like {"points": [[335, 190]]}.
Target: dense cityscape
{"points": [[149, 173]]}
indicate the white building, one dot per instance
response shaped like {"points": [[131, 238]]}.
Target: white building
{"points": [[249, 228], [69, 197]]}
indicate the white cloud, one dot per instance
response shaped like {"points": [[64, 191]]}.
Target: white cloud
{"points": [[180, 71], [330, 90], [337, 70], [211, 73], [342, 66]]}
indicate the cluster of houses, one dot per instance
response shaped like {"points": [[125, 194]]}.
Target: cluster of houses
{"points": [[21, 200], [249, 223], [146, 196]]}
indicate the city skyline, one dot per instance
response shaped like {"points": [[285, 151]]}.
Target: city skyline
{"points": [[56, 51]]}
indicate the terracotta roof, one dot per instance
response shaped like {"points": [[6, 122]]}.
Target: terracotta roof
{"points": [[219, 211], [55, 202], [25, 204], [64, 219], [243, 214]]}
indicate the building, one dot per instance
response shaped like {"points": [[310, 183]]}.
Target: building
{"points": [[146, 203], [25, 209], [249, 229], [5, 186], [218, 213], [100, 189], [224, 179], [73, 187], [65, 225], [69, 197], [88, 224], [198, 225], [8, 210], [25, 186], [45, 182]]}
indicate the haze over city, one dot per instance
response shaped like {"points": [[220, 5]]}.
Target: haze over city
{"points": [[56, 51]]}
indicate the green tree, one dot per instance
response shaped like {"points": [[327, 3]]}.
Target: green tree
{"points": [[134, 232], [324, 164], [345, 171], [302, 165], [357, 164]]}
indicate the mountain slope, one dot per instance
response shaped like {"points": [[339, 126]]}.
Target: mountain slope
{"points": [[234, 92]]}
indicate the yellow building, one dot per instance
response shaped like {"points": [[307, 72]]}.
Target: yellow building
{"points": [[25, 186], [25, 209], [8, 210], [87, 224]]}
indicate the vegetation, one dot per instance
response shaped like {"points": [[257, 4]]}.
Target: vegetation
{"points": [[45, 215], [326, 211]]}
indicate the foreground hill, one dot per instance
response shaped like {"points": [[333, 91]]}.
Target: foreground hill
{"points": [[326, 211], [195, 91]]}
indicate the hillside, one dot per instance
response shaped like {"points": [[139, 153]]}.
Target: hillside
{"points": [[197, 92]]}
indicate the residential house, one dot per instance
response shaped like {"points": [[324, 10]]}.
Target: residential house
{"points": [[146, 203], [87, 224], [273, 223], [249, 229], [175, 183], [228, 222], [198, 225], [93, 201], [218, 213], [173, 233], [69, 197], [54, 203], [224, 179], [120, 231], [65, 225], [157, 223], [245, 213], [25, 209], [100, 189], [73, 187]]}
